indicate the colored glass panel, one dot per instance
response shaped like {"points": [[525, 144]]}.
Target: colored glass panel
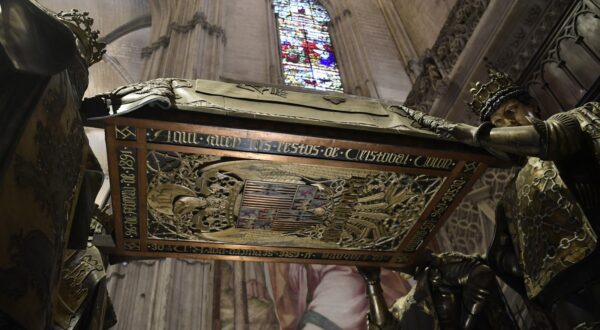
{"points": [[307, 55]]}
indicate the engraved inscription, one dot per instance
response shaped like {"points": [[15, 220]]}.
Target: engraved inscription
{"points": [[153, 247], [132, 246], [403, 258], [299, 149], [129, 194]]}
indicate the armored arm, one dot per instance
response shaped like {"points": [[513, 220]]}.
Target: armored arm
{"points": [[480, 305], [552, 139], [379, 317]]}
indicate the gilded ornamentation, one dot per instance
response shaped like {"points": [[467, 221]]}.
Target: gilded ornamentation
{"points": [[589, 119], [470, 167], [127, 167], [543, 236], [125, 133], [52, 177], [552, 230], [251, 101], [80, 24], [57, 151], [488, 96], [82, 271], [203, 197]]}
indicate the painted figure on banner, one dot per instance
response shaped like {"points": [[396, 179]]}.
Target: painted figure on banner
{"points": [[326, 296], [549, 218], [299, 296]]}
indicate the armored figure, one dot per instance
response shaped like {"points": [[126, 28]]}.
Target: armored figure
{"points": [[452, 291], [545, 245], [49, 276]]}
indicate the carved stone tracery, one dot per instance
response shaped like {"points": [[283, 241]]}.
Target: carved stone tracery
{"points": [[437, 63], [199, 19], [555, 53], [470, 227]]}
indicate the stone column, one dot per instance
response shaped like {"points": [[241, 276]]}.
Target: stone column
{"points": [[187, 40], [240, 297]]}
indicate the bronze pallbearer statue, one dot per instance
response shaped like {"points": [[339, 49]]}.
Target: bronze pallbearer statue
{"points": [[50, 276], [452, 291], [545, 245]]}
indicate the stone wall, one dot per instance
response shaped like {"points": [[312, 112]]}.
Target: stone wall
{"points": [[423, 20], [126, 23]]}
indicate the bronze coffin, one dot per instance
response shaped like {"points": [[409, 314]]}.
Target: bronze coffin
{"points": [[245, 172]]}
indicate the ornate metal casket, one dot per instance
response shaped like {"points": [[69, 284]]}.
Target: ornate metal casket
{"points": [[212, 170]]}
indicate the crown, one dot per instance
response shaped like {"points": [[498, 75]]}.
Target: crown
{"points": [[80, 23], [489, 96]]}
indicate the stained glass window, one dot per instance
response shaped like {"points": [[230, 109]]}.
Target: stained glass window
{"points": [[307, 56]]}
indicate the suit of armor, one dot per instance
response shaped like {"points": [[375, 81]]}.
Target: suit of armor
{"points": [[547, 222], [546, 243], [49, 276], [452, 291]]}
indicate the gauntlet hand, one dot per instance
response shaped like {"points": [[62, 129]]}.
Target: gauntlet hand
{"points": [[445, 129]]}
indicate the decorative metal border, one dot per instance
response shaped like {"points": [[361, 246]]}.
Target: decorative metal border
{"points": [[460, 174]]}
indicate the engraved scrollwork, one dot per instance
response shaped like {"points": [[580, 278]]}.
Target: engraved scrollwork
{"points": [[263, 89], [177, 205], [82, 271], [206, 198], [334, 99], [57, 153], [553, 231]]}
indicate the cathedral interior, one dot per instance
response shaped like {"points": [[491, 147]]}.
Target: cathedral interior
{"points": [[299, 164]]}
